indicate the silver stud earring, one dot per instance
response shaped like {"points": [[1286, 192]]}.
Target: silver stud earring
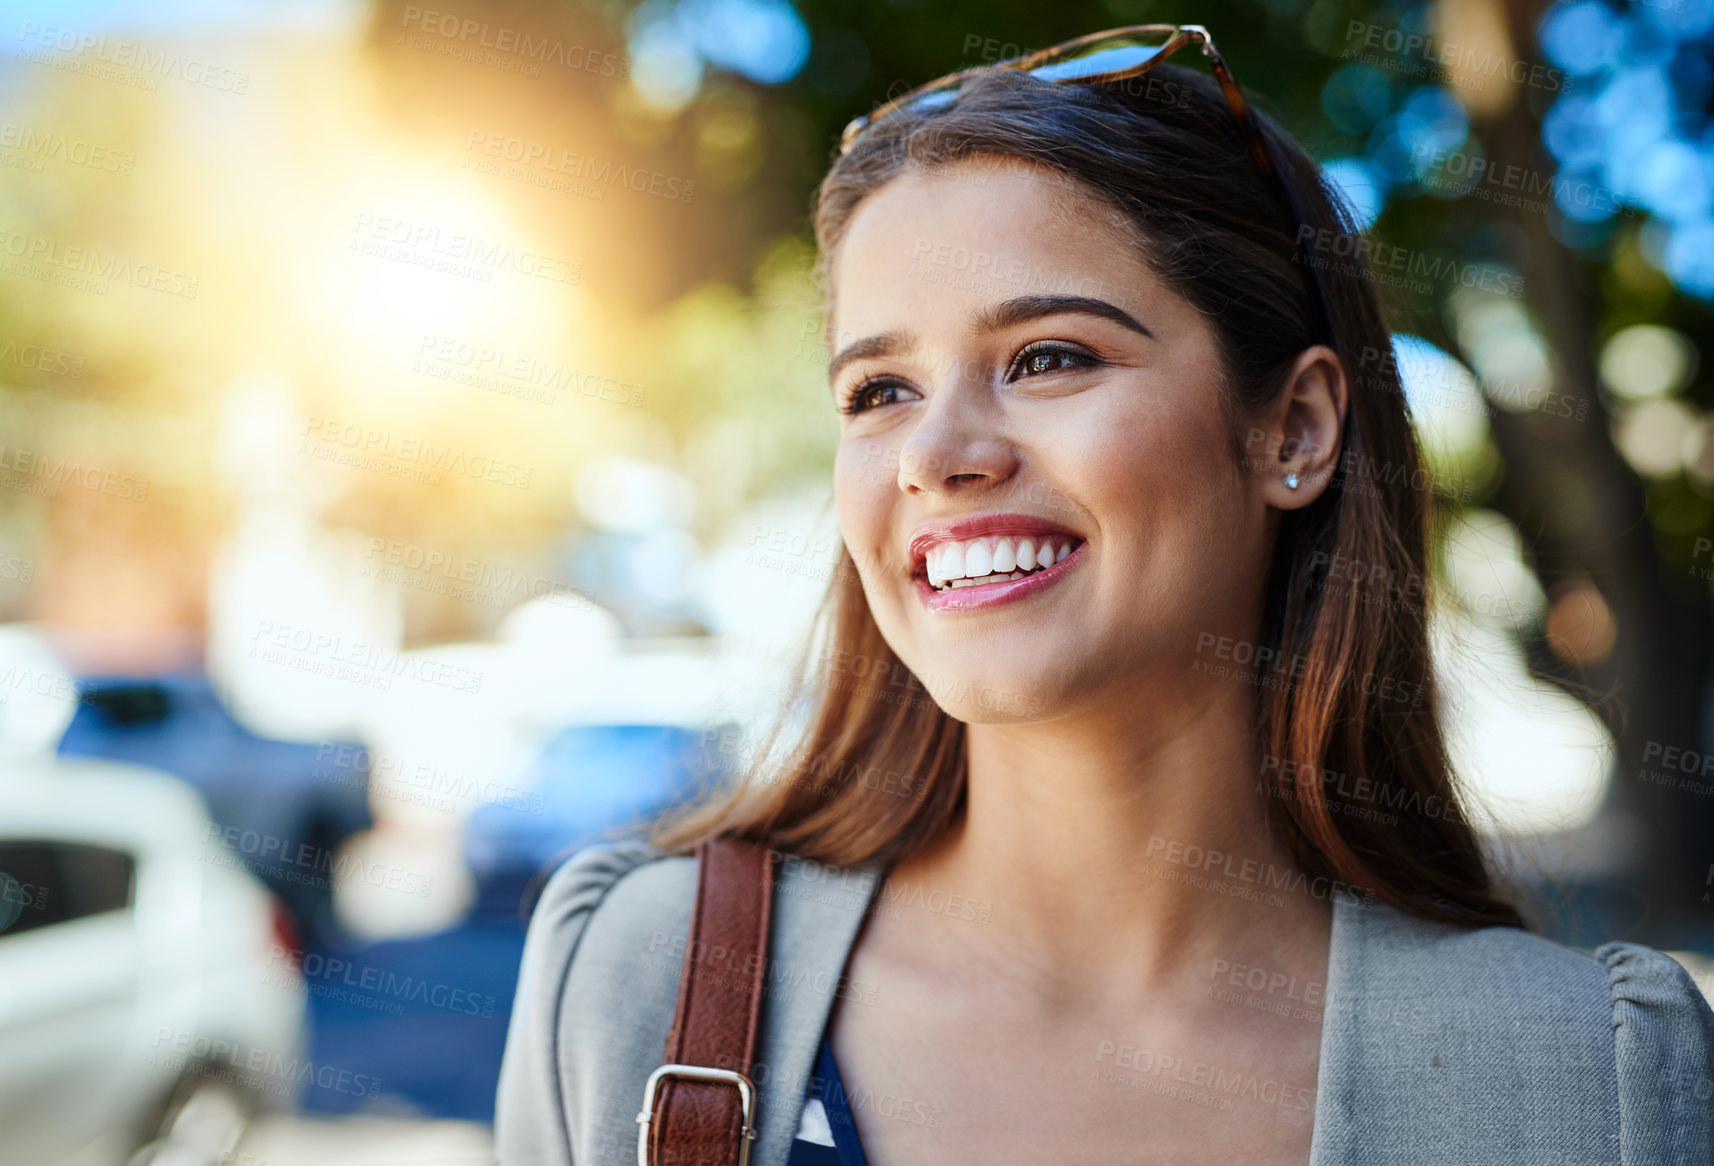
{"points": [[1291, 481]]}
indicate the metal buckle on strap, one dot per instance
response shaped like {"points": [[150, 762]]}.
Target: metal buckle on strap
{"points": [[746, 1103]]}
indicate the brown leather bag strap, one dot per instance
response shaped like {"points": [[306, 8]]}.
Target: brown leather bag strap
{"points": [[701, 1120]]}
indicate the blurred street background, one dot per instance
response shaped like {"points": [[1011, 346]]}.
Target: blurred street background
{"points": [[414, 461]]}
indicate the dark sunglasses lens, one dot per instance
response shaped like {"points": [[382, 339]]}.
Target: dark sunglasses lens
{"points": [[1097, 61]]}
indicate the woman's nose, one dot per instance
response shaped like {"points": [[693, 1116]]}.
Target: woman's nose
{"points": [[957, 445]]}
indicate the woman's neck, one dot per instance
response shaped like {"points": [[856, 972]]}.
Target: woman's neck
{"points": [[1115, 849]]}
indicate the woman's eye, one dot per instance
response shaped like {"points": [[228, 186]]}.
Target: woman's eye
{"points": [[868, 396], [1037, 361]]}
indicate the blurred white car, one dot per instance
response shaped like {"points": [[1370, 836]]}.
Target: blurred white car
{"points": [[145, 1007]]}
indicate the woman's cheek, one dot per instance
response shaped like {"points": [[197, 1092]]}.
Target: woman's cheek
{"points": [[1154, 448], [860, 498], [1115, 457]]}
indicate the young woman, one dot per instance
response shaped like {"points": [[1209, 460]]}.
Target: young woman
{"points": [[1123, 829]]}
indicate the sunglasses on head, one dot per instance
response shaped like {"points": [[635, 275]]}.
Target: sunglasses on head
{"points": [[1117, 54]]}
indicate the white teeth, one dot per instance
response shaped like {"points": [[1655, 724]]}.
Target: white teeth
{"points": [[952, 561], [989, 560], [989, 579], [978, 559]]}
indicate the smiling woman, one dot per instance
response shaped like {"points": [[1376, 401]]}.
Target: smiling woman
{"points": [[1134, 555]]}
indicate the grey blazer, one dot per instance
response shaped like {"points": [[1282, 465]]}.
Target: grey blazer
{"points": [[1490, 1047]]}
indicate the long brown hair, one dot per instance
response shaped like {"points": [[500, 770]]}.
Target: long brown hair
{"points": [[1355, 776]]}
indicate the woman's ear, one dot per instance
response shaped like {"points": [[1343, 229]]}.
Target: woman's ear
{"points": [[1301, 431]]}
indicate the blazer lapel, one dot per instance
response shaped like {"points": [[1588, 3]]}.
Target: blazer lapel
{"points": [[1339, 1087], [817, 912]]}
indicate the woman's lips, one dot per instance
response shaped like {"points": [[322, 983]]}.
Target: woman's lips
{"points": [[978, 596]]}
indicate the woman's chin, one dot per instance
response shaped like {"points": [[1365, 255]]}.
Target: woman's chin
{"points": [[998, 698]]}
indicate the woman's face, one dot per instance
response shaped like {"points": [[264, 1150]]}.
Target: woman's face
{"points": [[1034, 475]]}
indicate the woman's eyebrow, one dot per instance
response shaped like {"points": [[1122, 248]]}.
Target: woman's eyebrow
{"points": [[1017, 310], [881, 344], [1023, 308]]}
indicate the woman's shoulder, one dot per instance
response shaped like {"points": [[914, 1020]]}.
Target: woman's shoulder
{"points": [[595, 992], [1649, 1000], [1663, 1038], [1623, 1022], [1510, 967], [630, 885], [607, 911], [600, 977], [1647, 982]]}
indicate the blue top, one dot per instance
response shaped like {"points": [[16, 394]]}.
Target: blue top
{"points": [[826, 1133]]}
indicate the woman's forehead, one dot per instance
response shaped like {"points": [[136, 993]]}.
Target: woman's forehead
{"points": [[979, 232], [986, 192]]}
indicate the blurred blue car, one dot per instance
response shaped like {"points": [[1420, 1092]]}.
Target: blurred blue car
{"points": [[282, 808], [589, 781]]}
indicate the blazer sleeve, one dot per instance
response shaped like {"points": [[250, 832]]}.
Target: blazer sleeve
{"points": [[1663, 1039], [530, 1121]]}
